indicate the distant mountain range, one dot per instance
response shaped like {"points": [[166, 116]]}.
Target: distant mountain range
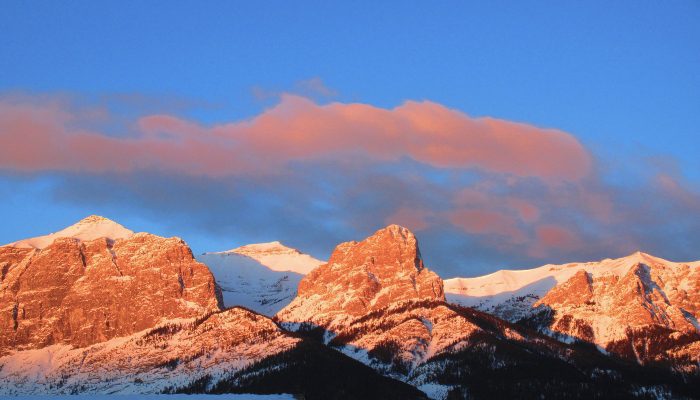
{"points": [[97, 308]]}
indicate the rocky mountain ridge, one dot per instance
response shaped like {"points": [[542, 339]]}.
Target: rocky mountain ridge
{"points": [[138, 314], [372, 303], [361, 277], [79, 291], [641, 307]]}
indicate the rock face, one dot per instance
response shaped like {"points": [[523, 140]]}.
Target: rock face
{"points": [[655, 302], [363, 277], [84, 290], [640, 306]]}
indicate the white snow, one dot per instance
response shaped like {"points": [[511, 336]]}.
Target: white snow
{"points": [[217, 347], [278, 257], [435, 391], [262, 277], [513, 289], [248, 283], [89, 228]]}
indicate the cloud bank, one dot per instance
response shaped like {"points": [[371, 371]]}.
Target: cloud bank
{"points": [[481, 192], [44, 136]]}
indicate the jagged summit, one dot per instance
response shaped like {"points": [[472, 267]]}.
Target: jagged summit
{"points": [[364, 276], [89, 228], [397, 231]]}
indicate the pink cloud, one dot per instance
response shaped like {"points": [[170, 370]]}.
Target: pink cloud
{"points": [[526, 210], [479, 197], [39, 137], [554, 238], [487, 222], [677, 191]]}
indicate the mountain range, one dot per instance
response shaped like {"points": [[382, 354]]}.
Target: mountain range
{"points": [[97, 308]]}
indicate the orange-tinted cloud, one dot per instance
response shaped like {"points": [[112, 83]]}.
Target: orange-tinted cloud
{"points": [[677, 191], [526, 210], [487, 222], [479, 197], [509, 192], [554, 237], [39, 137]]}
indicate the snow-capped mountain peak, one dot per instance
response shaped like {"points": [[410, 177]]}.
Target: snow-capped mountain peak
{"points": [[267, 247], [538, 281], [277, 257], [89, 228], [261, 276], [618, 304]]}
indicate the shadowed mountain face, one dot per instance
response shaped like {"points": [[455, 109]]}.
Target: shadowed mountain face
{"points": [[263, 277], [248, 283]]}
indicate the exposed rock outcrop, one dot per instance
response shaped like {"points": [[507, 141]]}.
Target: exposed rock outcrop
{"points": [[83, 292], [361, 277]]}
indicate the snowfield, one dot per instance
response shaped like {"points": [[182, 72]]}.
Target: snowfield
{"points": [[262, 277]]}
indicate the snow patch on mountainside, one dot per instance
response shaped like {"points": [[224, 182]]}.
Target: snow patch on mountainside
{"points": [[248, 283], [174, 354], [278, 257], [89, 228], [263, 277]]}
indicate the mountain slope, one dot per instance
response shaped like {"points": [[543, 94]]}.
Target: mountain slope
{"points": [[174, 353], [232, 351], [311, 370], [376, 302], [248, 283], [640, 307], [278, 257], [263, 277], [454, 352]]}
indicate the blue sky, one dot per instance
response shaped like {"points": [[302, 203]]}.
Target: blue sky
{"points": [[621, 78]]}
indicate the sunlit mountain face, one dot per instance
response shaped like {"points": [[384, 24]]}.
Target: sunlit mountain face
{"points": [[350, 200], [96, 308]]}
